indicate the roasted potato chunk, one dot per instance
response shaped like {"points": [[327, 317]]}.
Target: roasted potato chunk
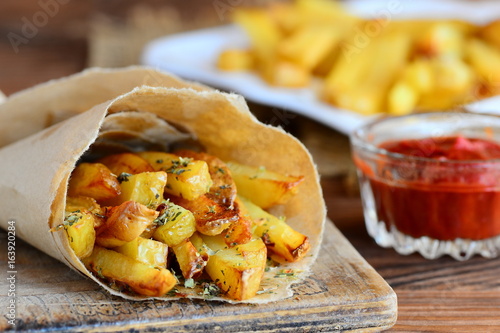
{"points": [[142, 278], [187, 178], [125, 223], [147, 251], [263, 187], [93, 180], [175, 224], [191, 262], [79, 227], [278, 236], [211, 218], [86, 204], [223, 189], [126, 163], [145, 188], [237, 270], [240, 231]]}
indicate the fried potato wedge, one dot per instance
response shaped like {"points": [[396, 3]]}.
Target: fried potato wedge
{"points": [[89, 204], [223, 189], [93, 180], [191, 262], [124, 224], [175, 224], [79, 227], [145, 188], [187, 178], [211, 218], [126, 163], [237, 270], [263, 187], [142, 278], [278, 236], [147, 251]]}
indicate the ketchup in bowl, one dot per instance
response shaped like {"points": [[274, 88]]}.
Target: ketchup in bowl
{"points": [[445, 205], [427, 193]]}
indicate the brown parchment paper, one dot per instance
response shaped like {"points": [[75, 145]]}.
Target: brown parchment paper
{"points": [[34, 171]]}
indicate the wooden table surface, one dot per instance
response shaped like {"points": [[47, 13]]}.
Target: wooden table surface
{"points": [[442, 295]]}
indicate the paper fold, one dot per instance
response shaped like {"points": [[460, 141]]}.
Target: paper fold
{"points": [[34, 171]]}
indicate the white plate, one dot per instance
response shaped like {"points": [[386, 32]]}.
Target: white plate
{"points": [[193, 55]]}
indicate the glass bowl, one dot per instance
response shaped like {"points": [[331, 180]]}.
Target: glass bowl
{"points": [[416, 198]]}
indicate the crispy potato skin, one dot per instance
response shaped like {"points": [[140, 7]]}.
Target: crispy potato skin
{"points": [[264, 187], [147, 251], [125, 223], [211, 218], [278, 236], [190, 260], [126, 162], [238, 270], [93, 180], [186, 178], [143, 279], [223, 189]]}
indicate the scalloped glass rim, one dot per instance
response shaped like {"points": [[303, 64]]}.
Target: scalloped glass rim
{"points": [[459, 249]]}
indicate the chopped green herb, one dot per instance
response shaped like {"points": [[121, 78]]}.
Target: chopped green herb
{"points": [[72, 218], [189, 283], [210, 290], [123, 177]]}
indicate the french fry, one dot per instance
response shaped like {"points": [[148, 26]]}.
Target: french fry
{"points": [[175, 224], [237, 270], [147, 251], [402, 98], [262, 30], [126, 163], [284, 73], [389, 54], [490, 33], [441, 40], [278, 236], [124, 224], [263, 187], [187, 178], [308, 45], [486, 62], [142, 278], [191, 262], [93, 180], [235, 60]]}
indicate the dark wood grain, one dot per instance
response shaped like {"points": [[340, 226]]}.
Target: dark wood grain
{"points": [[343, 293]]}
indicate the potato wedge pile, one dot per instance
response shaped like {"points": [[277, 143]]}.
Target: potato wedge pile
{"points": [[145, 222], [368, 66]]}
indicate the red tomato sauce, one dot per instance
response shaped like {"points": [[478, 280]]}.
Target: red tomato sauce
{"points": [[439, 198]]}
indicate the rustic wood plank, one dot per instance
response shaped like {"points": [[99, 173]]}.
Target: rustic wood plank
{"points": [[343, 293]]}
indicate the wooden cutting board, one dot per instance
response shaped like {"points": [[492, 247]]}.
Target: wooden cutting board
{"points": [[343, 293]]}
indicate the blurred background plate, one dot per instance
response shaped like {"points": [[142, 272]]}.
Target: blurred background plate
{"points": [[193, 55]]}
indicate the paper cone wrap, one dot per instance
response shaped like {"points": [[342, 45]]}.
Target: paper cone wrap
{"points": [[34, 171]]}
